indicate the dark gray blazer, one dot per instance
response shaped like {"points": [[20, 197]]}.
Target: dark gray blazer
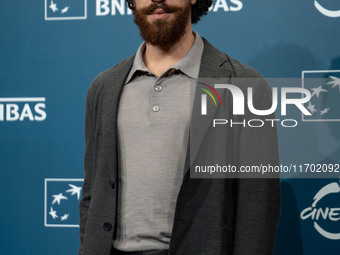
{"points": [[212, 216]]}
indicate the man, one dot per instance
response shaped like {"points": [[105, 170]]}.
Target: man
{"points": [[138, 197]]}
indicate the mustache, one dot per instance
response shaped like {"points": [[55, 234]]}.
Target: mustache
{"points": [[166, 8]]}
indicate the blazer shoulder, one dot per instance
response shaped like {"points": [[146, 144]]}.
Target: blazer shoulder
{"points": [[107, 77], [222, 62], [242, 70], [118, 71]]}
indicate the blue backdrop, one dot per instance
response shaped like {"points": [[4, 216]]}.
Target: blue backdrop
{"points": [[50, 52]]}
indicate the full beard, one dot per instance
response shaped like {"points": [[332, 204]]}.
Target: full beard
{"points": [[164, 32]]}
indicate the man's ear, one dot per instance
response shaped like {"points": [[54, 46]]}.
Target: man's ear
{"points": [[193, 2]]}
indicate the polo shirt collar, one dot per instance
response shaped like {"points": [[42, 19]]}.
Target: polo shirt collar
{"points": [[189, 64]]}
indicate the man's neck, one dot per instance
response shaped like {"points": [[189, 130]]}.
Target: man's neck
{"points": [[158, 61]]}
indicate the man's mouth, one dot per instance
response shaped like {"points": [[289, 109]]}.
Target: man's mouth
{"points": [[159, 13]]}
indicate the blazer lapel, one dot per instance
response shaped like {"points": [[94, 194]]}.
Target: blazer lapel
{"points": [[110, 96], [214, 67]]}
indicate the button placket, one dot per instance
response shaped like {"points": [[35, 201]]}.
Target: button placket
{"points": [[156, 97]]}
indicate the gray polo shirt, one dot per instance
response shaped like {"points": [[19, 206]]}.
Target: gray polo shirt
{"points": [[153, 124]]}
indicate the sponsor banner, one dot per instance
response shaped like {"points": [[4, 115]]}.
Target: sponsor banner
{"points": [[61, 202], [22, 109], [78, 9], [65, 9], [324, 86], [324, 212]]}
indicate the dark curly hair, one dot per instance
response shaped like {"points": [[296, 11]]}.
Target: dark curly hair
{"points": [[197, 10]]}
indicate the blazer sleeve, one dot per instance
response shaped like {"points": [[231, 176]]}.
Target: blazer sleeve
{"points": [[85, 201], [257, 199]]}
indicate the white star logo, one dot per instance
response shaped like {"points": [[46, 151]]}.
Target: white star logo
{"points": [[53, 6], [53, 213], [335, 82], [58, 198], [65, 9], [65, 217], [318, 90], [311, 107], [324, 111], [74, 190]]}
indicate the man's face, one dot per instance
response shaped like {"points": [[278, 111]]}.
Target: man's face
{"points": [[163, 23]]}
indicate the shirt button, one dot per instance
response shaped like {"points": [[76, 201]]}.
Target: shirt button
{"points": [[155, 108], [158, 88]]}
